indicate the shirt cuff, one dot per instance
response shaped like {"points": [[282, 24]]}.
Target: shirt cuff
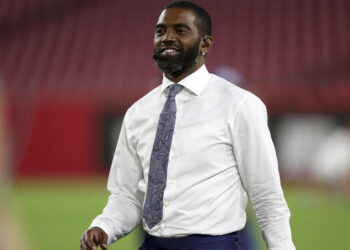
{"points": [[104, 226]]}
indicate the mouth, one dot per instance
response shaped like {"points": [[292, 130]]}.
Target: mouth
{"points": [[169, 50]]}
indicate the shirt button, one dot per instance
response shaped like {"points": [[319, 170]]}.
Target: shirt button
{"points": [[171, 182], [166, 203]]}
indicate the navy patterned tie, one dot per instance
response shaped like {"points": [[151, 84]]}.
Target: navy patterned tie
{"points": [[153, 208]]}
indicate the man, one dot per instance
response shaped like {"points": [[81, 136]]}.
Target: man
{"points": [[188, 151]]}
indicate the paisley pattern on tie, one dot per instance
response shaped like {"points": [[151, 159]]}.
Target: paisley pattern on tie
{"points": [[153, 207]]}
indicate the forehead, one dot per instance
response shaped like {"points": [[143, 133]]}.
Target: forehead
{"points": [[173, 16]]}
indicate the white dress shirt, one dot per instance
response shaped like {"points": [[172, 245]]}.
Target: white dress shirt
{"points": [[221, 148]]}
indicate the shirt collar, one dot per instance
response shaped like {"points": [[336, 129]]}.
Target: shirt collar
{"points": [[195, 82]]}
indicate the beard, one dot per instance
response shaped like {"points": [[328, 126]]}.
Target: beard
{"points": [[179, 64]]}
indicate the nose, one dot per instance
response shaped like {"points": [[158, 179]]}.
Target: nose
{"points": [[168, 36]]}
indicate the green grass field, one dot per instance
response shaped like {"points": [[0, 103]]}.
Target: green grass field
{"points": [[55, 214]]}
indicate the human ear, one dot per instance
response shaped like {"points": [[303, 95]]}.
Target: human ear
{"points": [[206, 45]]}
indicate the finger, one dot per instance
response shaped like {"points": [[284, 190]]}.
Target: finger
{"points": [[95, 240], [103, 241], [88, 240], [82, 245]]}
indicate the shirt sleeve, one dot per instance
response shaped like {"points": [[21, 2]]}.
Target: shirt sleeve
{"points": [[258, 168], [124, 207]]}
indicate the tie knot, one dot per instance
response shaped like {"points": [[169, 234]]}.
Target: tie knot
{"points": [[174, 89]]}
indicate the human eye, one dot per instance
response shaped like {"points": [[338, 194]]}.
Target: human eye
{"points": [[181, 31], [159, 31]]}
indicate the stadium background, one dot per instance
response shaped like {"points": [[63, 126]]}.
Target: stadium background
{"points": [[70, 68]]}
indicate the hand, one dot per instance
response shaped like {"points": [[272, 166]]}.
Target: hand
{"points": [[93, 238]]}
